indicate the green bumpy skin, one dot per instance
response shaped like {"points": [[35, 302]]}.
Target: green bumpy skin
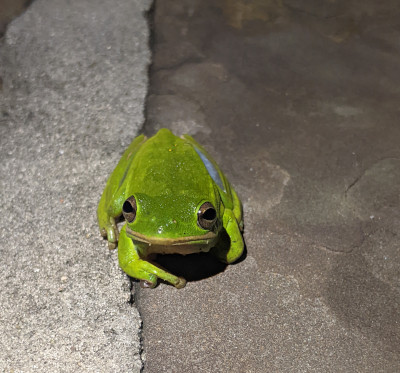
{"points": [[175, 199]]}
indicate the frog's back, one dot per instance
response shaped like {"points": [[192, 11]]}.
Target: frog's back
{"points": [[168, 164]]}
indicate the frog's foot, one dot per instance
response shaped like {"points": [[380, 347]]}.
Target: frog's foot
{"points": [[181, 283], [148, 274], [145, 284]]}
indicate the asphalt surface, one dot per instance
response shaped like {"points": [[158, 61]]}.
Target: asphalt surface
{"points": [[74, 79]]}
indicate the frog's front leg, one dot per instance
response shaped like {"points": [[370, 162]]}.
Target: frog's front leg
{"points": [[134, 266], [110, 205], [107, 224], [235, 250]]}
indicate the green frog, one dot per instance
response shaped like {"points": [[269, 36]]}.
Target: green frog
{"points": [[175, 200]]}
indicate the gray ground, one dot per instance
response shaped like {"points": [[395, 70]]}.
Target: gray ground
{"points": [[299, 103], [74, 79]]}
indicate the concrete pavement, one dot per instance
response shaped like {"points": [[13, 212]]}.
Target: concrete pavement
{"points": [[74, 79]]}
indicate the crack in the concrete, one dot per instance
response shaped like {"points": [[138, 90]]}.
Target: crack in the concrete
{"points": [[359, 177], [133, 302], [134, 288]]}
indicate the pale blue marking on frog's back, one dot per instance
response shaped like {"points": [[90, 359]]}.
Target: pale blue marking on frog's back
{"points": [[211, 169]]}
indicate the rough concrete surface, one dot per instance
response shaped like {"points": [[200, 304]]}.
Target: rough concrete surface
{"points": [[299, 103], [74, 78]]}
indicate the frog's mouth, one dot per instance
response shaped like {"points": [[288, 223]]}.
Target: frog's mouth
{"points": [[178, 245]]}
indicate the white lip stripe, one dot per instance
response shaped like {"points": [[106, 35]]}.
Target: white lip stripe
{"points": [[211, 169]]}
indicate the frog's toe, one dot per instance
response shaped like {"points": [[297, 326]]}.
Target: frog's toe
{"points": [[180, 283], [112, 237], [145, 284], [150, 281], [103, 232]]}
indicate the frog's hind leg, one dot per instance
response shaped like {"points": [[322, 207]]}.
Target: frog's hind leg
{"points": [[136, 267]]}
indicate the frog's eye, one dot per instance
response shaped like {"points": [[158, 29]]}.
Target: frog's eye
{"points": [[129, 209], [207, 216]]}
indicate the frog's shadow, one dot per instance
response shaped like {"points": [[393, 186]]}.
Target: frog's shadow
{"points": [[196, 267]]}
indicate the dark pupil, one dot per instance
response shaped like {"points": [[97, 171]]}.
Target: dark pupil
{"points": [[127, 207], [209, 214]]}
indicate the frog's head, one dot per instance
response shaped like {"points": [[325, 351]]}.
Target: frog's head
{"points": [[183, 224]]}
